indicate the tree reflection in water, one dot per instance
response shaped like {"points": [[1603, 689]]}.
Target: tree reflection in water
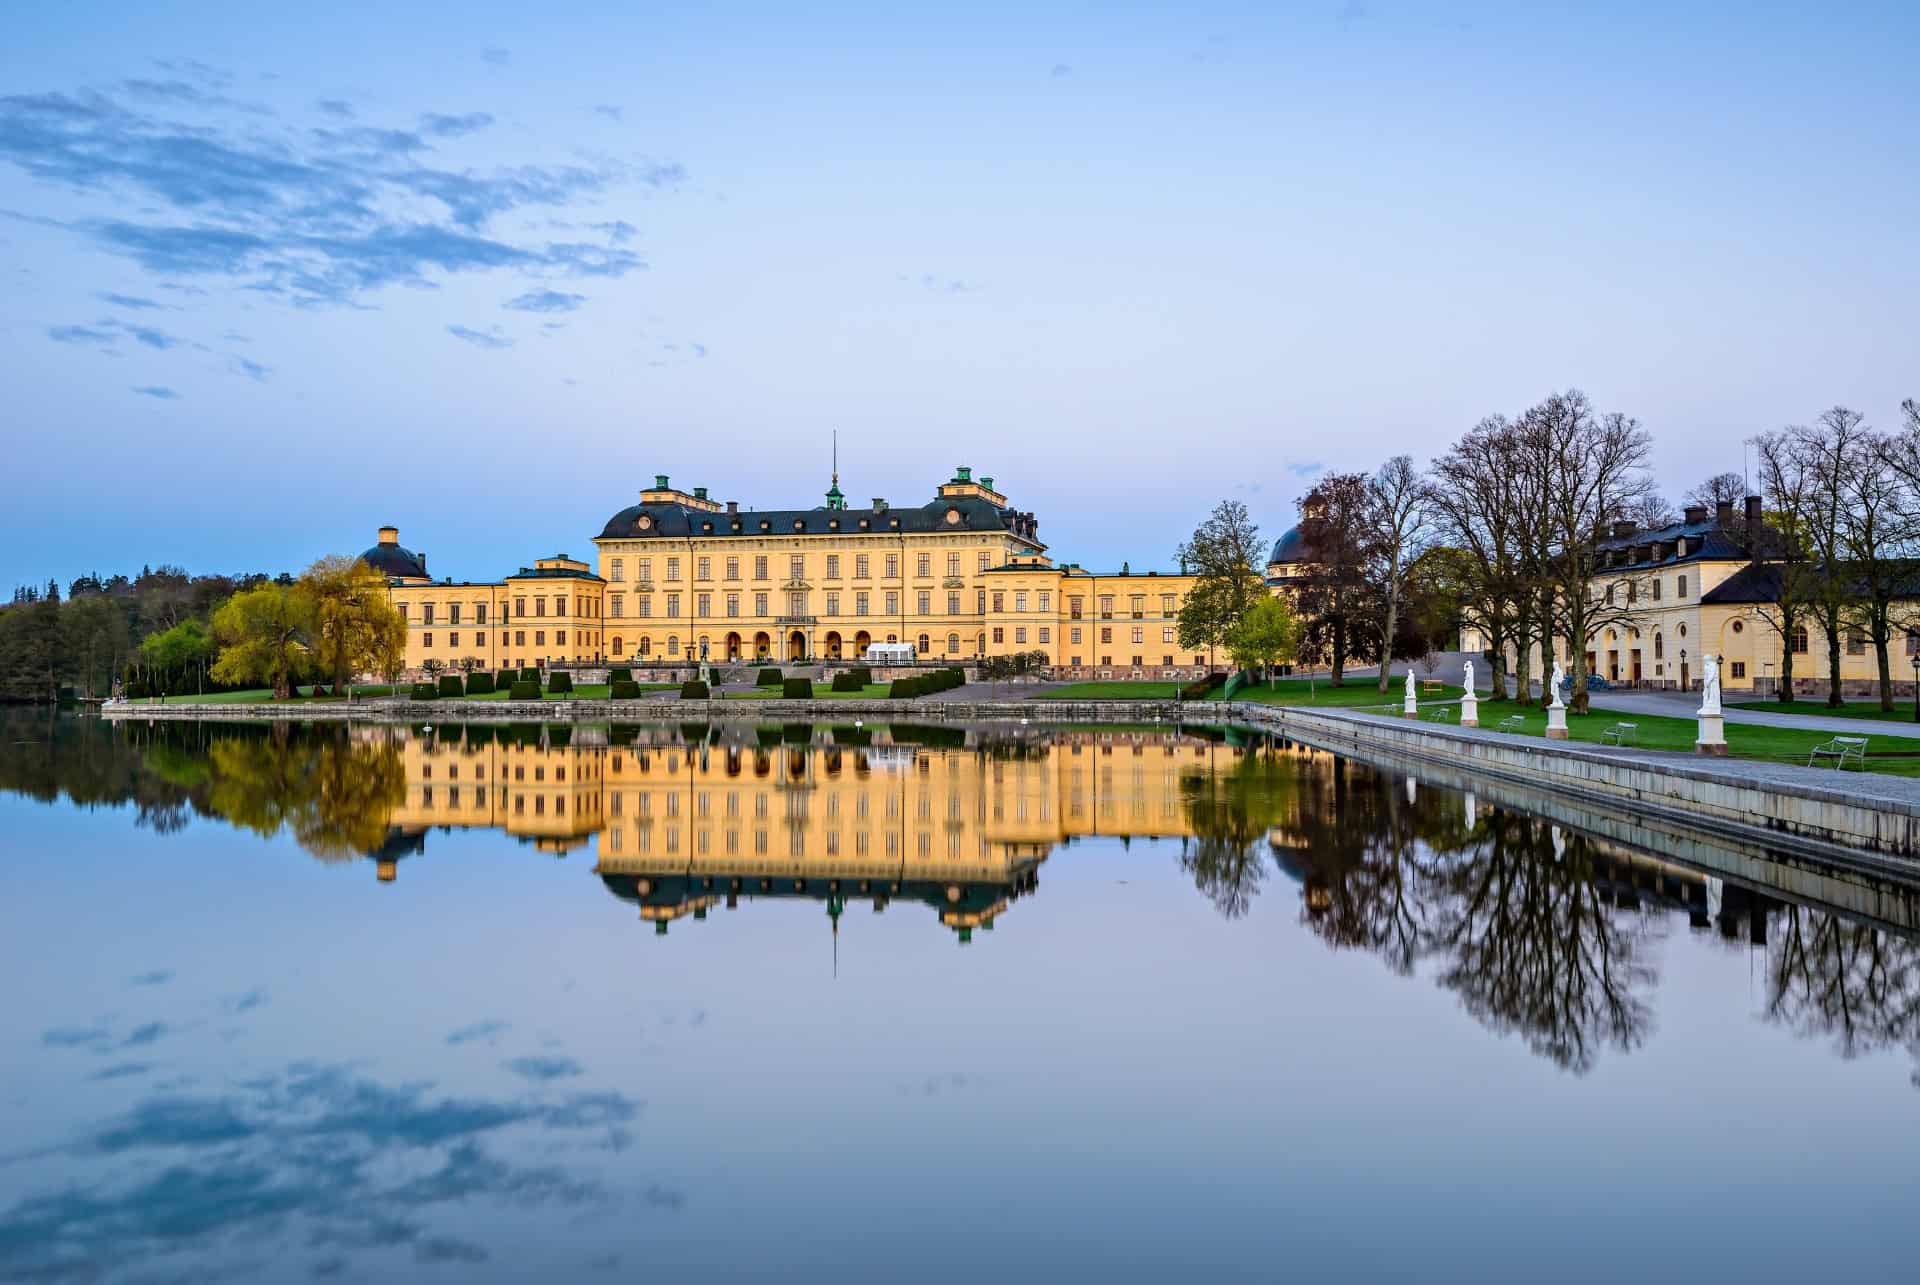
{"points": [[1846, 982]]}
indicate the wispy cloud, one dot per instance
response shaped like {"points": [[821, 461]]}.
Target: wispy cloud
{"points": [[128, 301], [496, 56], [543, 1068], [158, 977], [477, 1031], [454, 126], [545, 301], [938, 284], [108, 332], [251, 369], [1060, 71], [318, 215], [245, 1002], [158, 391], [338, 107], [610, 111], [488, 338]]}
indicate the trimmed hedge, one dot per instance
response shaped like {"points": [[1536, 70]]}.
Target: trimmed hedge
{"points": [[529, 676], [907, 688], [504, 680], [523, 690], [560, 682], [693, 690], [425, 692], [620, 674], [796, 689], [479, 684], [864, 673], [847, 681], [625, 689], [450, 685], [769, 678], [1199, 687]]}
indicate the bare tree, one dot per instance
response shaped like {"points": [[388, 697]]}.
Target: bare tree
{"points": [[1593, 471], [1781, 551], [1398, 502], [1651, 512], [1833, 450], [1721, 488], [1473, 499], [1337, 615]]}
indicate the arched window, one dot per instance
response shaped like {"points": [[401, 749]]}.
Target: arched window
{"points": [[619, 644], [953, 643], [646, 646], [1659, 647], [925, 645], [673, 644]]}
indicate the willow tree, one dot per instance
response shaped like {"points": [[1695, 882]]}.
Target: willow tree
{"points": [[264, 634], [356, 628]]}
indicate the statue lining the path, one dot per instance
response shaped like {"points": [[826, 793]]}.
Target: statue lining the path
{"points": [[1709, 684], [1409, 682], [1469, 678], [1559, 677]]}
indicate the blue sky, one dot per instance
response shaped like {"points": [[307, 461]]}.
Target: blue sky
{"points": [[272, 281]]}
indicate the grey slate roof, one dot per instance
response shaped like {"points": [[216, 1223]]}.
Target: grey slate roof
{"points": [[671, 521]]}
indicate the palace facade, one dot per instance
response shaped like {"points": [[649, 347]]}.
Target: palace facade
{"points": [[679, 577]]}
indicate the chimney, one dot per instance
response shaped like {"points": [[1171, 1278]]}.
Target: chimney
{"points": [[699, 492], [1696, 513], [987, 482], [963, 474], [733, 506], [389, 535], [1723, 513], [660, 482], [879, 504], [1753, 511], [1622, 529]]}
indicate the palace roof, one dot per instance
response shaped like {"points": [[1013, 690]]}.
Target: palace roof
{"points": [[678, 521]]}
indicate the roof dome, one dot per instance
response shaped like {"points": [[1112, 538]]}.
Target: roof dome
{"points": [[1290, 547], [389, 559]]}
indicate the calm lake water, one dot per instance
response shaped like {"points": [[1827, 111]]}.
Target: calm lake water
{"points": [[851, 1004]]}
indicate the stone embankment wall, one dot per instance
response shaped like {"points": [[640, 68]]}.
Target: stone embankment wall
{"points": [[1857, 811]]}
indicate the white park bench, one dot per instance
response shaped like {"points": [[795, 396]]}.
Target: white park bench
{"points": [[1513, 723], [1441, 714], [1621, 734], [1842, 750]]}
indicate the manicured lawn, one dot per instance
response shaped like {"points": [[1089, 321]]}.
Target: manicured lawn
{"points": [[1353, 694], [1901, 712], [821, 691], [1772, 744], [1115, 691], [261, 696], [581, 691]]}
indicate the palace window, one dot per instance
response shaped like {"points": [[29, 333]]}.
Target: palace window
{"points": [[1166, 604], [1046, 634], [559, 604], [453, 639], [480, 639], [733, 604], [925, 603], [860, 603], [703, 568], [1800, 640], [539, 606], [925, 646], [893, 566], [703, 604], [1139, 635], [1075, 606], [539, 637], [619, 601], [426, 640], [1739, 669], [893, 603], [643, 568], [953, 604], [1019, 633], [1106, 606], [1659, 647], [1106, 633], [426, 614], [923, 565], [759, 604], [953, 564], [999, 602], [760, 566], [1656, 588], [673, 605], [860, 566], [453, 613], [733, 568], [1137, 604], [1020, 601], [986, 560], [646, 646], [833, 603], [999, 634], [1073, 636], [1167, 636], [1046, 600], [673, 568], [797, 567], [673, 649], [519, 637], [619, 646], [979, 602], [619, 569], [479, 613], [403, 611], [645, 603], [833, 566], [953, 640], [559, 637], [1856, 643]]}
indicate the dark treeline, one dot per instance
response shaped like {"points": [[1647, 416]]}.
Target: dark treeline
{"points": [[81, 639]]}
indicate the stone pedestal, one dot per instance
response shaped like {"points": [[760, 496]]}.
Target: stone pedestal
{"points": [[1411, 709], [1712, 739], [1469, 710], [1556, 722]]}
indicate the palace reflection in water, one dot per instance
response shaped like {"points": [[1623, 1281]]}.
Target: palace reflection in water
{"points": [[1544, 932]]}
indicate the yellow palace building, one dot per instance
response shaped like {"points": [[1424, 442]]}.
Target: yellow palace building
{"points": [[681, 578]]}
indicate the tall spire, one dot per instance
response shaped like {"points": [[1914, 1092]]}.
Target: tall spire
{"points": [[835, 500]]}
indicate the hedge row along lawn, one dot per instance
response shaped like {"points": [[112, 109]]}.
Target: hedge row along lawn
{"points": [[821, 691], [584, 691]]}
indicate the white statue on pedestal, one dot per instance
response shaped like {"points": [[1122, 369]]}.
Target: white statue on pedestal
{"points": [[1469, 678], [1709, 684], [1409, 683], [1559, 677]]}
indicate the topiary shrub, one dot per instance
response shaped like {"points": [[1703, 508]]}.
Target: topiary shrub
{"points": [[847, 681], [904, 689], [504, 680], [560, 682], [864, 673], [450, 685], [529, 676], [625, 689], [620, 674], [522, 690], [796, 689], [693, 690], [425, 692], [769, 678], [479, 684]]}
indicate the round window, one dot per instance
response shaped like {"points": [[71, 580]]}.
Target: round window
{"points": [[1683, 631], [645, 522], [1737, 626], [953, 517]]}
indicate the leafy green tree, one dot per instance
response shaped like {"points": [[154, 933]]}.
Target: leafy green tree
{"points": [[1221, 554], [1266, 636], [185, 647], [356, 628], [264, 634]]}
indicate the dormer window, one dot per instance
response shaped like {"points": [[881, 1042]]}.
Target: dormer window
{"points": [[706, 526], [833, 524], [894, 523], [766, 526], [799, 524], [864, 524]]}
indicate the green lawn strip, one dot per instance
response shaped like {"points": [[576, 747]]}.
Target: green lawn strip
{"points": [[821, 691], [262, 696], [1814, 709], [1657, 732], [1356, 694]]}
